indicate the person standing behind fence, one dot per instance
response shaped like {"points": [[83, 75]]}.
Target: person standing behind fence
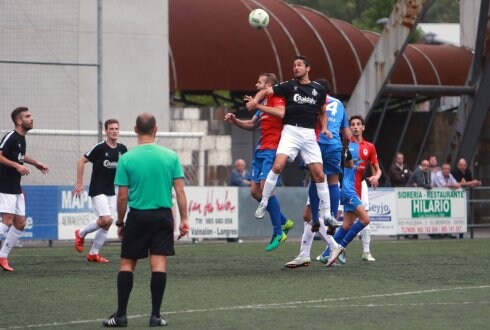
{"points": [[399, 171], [239, 175], [463, 175], [12, 201], [145, 176], [444, 178], [104, 157], [421, 176]]}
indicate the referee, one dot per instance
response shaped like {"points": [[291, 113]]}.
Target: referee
{"points": [[145, 176]]}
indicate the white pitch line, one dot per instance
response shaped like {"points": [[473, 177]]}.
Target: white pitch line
{"points": [[290, 304]]}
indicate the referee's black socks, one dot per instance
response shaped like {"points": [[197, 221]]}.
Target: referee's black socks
{"points": [[157, 286], [124, 287]]}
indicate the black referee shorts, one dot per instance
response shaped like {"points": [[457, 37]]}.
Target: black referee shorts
{"points": [[148, 231]]}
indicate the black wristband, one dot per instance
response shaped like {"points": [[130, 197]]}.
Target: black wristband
{"points": [[119, 224]]}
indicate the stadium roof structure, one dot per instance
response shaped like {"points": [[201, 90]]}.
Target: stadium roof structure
{"points": [[212, 47]]}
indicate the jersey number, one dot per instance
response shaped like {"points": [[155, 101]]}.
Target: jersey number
{"points": [[332, 107]]}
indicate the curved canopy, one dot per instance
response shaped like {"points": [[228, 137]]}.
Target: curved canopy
{"points": [[212, 47]]}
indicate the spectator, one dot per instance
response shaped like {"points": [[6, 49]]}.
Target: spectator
{"points": [[239, 175], [463, 175], [399, 172], [434, 168], [444, 178], [421, 176]]}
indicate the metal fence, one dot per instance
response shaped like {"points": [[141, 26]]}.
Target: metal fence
{"points": [[478, 208]]}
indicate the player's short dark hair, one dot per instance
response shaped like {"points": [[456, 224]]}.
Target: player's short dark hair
{"points": [[305, 60], [324, 82], [16, 113], [361, 118], [270, 78], [146, 123], [110, 121]]}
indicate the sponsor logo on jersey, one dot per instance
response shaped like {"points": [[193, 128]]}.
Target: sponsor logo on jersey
{"points": [[109, 164], [303, 99], [20, 158]]}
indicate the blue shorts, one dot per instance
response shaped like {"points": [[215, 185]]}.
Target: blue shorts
{"points": [[350, 201], [262, 164], [331, 159]]}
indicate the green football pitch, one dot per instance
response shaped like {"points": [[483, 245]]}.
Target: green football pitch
{"points": [[424, 284]]}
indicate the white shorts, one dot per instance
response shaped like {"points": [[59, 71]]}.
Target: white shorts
{"points": [[364, 195], [296, 139], [13, 204], [104, 205]]}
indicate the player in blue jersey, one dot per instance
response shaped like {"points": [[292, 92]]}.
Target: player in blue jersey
{"points": [[270, 125], [357, 156], [331, 149]]}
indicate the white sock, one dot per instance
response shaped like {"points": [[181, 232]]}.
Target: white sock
{"points": [[323, 231], [99, 241], [331, 243], [366, 239], [270, 184], [324, 196], [12, 238], [90, 228], [3, 229], [306, 240]]}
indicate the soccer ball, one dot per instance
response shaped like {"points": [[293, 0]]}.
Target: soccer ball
{"points": [[258, 18]]}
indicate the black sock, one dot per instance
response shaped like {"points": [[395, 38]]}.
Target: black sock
{"points": [[124, 287], [157, 286]]}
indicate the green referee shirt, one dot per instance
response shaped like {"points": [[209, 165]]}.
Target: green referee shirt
{"points": [[149, 171]]}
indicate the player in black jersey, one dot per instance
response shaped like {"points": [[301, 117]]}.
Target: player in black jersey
{"points": [[305, 107], [12, 202], [104, 157]]}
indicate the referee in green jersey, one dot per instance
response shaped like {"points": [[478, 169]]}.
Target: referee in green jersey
{"points": [[145, 176]]}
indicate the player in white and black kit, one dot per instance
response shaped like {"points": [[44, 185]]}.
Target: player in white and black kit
{"points": [[104, 157], [12, 202], [305, 106]]}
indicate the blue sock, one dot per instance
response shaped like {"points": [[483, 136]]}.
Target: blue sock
{"points": [[283, 219], [275, 213], [326, 252], [334, 191], [339, 234], [352, 233], [314, 201]]}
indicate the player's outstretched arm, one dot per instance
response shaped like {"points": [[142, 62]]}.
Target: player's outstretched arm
{"points": [[248, 124], [40, 166]]}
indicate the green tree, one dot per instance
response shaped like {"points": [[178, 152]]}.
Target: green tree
{"points": [[364, 14]]}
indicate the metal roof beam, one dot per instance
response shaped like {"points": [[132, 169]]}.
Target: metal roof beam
{"points": [[387, 52], [472, 110], [429, 89]]}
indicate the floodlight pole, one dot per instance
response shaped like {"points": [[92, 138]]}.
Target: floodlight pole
{"points": [[100, 112]]}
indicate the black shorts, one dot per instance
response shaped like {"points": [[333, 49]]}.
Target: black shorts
{"points": [[148, 231]]}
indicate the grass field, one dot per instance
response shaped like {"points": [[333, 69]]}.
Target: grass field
{"points": [[424, 284]]}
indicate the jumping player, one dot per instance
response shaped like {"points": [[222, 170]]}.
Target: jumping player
{"points": [[305, 105], [331, 149], [270, 124]]}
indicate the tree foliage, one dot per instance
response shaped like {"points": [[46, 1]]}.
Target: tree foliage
{"points": [[364, 14]]}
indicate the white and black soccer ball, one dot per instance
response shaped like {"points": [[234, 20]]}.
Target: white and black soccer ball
{"points": [[258, 18]]}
